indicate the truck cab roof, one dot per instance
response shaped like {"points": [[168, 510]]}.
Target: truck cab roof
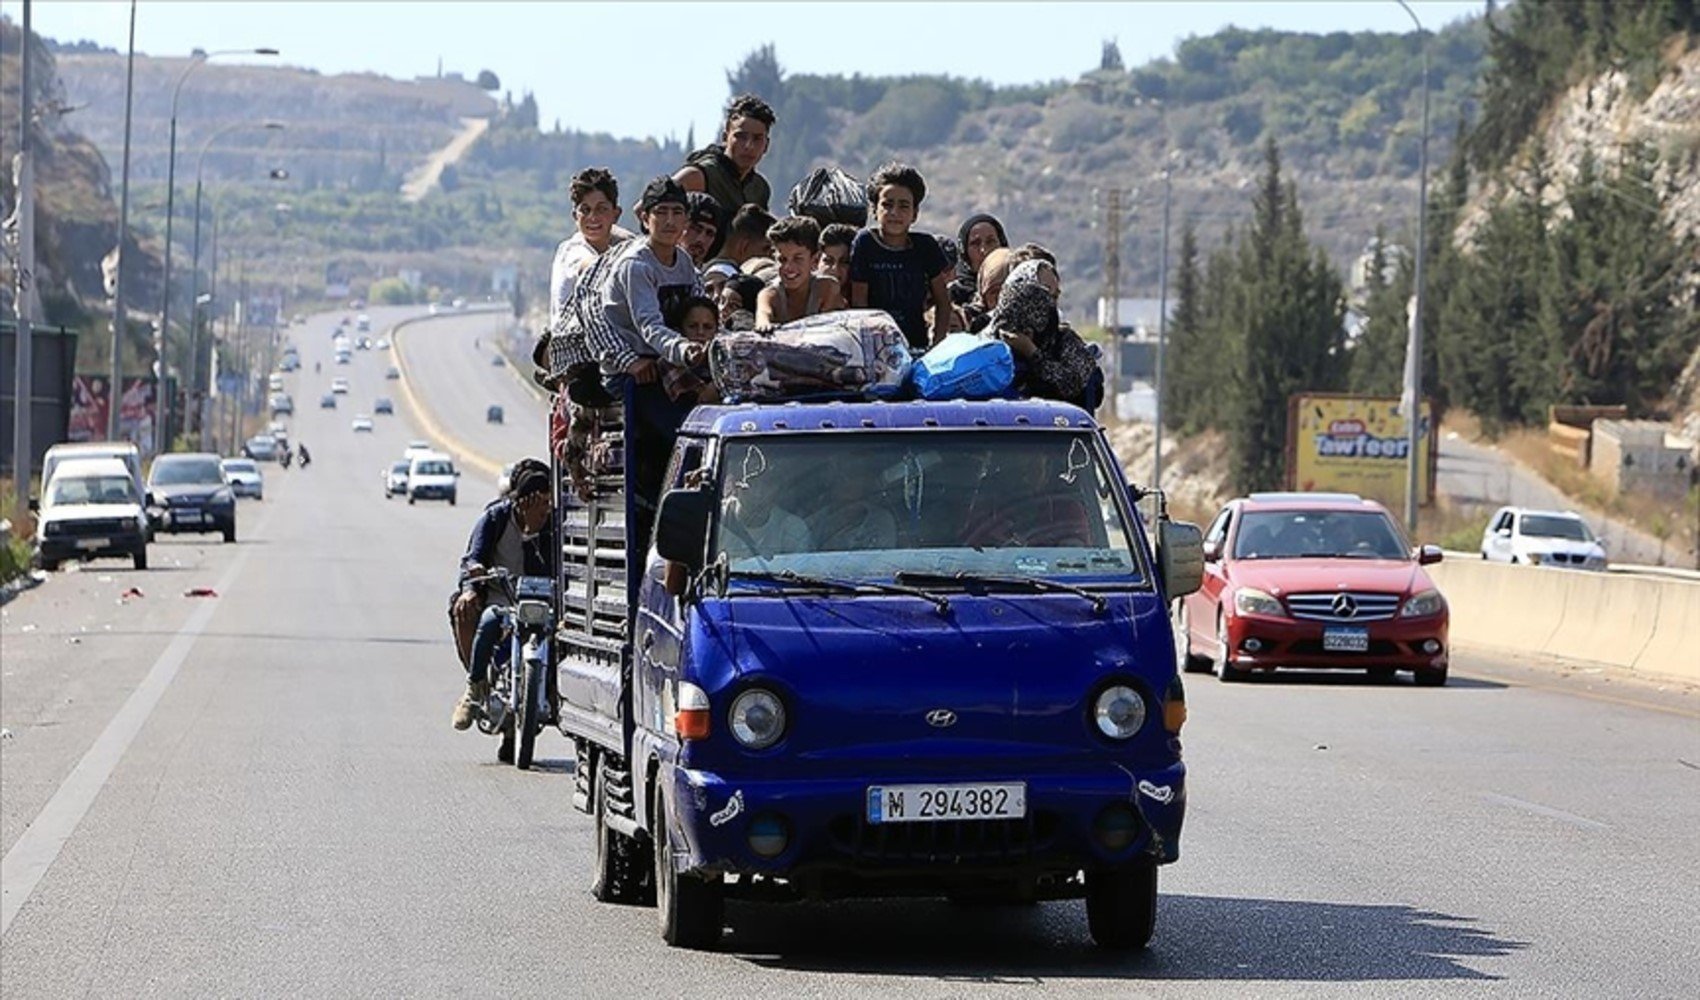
{"points": [[799, 417]]}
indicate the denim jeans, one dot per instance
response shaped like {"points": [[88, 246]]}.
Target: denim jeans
{"points": [[487, 645]]}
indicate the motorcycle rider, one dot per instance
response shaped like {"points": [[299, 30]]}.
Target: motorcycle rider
{"points": [[515, 533], [305, 457]]}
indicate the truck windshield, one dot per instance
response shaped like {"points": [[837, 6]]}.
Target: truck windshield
{"points": [[868, 507], [92, 489]]}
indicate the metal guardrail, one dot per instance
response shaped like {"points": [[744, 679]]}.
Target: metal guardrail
{"points": [[1622, 569]]}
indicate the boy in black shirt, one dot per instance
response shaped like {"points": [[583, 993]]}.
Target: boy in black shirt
{"points": [[896, 269]]}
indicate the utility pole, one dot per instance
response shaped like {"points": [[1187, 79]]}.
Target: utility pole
{"points": [[1162, 333], [1113, 282], [23, 453], [1413, 395], [114, 385]]}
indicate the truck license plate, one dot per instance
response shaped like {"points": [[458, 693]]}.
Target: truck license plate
{"points": [[1345, 640], [930, 803]]}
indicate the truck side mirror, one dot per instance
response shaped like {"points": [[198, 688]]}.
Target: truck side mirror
{"points": [[1428, 555], [681, 527], [35, 504], [1180, 556]]}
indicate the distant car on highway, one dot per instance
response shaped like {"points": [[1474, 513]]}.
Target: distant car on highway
{"points": [[504, 479], [1316, 581], [415, 448], [261, 448], [282, 402], [383, 405], [245, 478], [192, 490], [327, 401], [497, 361], [361, 423], [395, 479], [363, 323], [432, 476], [392, 373], [459, 303], [493, 414], [339, 385], [1542, 538], [383, 344]]}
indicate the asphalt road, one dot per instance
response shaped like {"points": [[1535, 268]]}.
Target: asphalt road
{"points": [[258, 794]]}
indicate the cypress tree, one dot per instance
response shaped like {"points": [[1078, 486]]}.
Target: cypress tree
{"points": [[1187, 382]]}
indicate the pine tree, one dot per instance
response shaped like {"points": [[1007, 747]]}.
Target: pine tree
{"points": [[1186, 382]]}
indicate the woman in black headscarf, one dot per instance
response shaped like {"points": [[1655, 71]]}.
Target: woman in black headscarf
{"points": [[979, 236], [1051, 361]]}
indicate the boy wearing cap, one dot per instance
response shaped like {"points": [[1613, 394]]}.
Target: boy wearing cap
{"points": [[627, 332]]}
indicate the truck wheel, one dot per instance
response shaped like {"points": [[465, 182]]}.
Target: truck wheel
{"points": [[50, 564], [140, 558], [618, 873], [1121, 907], [525, 715], [691, 909], [1222, 665]]}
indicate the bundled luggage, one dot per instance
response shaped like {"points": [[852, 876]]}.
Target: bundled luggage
{"points": [[829, 195], [856, 352], [965, 366]]}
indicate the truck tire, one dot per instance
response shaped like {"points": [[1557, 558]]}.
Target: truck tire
{"points": [[525, 714], [691, 910], [617, 875], [1121, 907]]}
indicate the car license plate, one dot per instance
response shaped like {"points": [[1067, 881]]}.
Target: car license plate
{"points": [[931, 803], [187, 517], [90, 544], [1345, 640]]}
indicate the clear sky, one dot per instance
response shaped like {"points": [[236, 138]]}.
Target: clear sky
{"points": [[637, 69]]}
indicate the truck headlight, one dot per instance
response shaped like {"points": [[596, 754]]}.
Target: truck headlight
{"points": [[757, 718], [127, 523], [1119, 712], [1429, 602], [1251, 601]]}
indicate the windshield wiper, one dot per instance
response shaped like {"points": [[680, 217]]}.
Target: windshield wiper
{"points": [[1034, 583], [796, 579]]}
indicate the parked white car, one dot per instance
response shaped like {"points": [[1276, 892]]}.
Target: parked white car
{"points": [[1542, 538], [91, 509]]}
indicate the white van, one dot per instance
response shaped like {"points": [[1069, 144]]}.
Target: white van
{"points": [[432, 476], [91, 508], [123, 451]]}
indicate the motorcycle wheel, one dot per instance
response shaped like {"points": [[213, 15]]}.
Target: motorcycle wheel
{"points": [[505, 749], [525, 714]]}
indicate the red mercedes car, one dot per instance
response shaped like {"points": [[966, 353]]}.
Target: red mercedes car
{"points": [[1313, 581]]}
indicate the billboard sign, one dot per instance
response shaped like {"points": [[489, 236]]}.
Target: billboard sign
{"points": [[1357, 444], [90, 400]]}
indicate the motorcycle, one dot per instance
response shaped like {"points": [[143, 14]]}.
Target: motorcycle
{"points": [[306, 459], [284, 457], [519, 705]]}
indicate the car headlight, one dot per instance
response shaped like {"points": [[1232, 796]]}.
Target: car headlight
{"points": [[1251, 601], [1119, 712], [127, 523], [757, 718], [224, 496], [1536, 557], [1429, 602]]}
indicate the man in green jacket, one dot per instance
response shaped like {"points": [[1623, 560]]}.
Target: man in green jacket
{"points": [[727, 169]]}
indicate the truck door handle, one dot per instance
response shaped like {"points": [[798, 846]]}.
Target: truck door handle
{"points": [[647, 643]]}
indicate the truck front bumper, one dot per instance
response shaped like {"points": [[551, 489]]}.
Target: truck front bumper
{"points": [[818, 832]]}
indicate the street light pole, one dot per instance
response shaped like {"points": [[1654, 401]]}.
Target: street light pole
{"points": [[1162, 330], [161, 433], [192, 374], [113, 385], [23, 398], [1413, 395]]}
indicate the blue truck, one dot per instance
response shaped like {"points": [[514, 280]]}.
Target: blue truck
{"points": [[877, 649]]}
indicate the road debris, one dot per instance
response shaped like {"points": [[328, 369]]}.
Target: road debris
{"points": [[200, 592]]}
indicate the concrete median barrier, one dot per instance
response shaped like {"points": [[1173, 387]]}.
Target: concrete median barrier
{"points": [[1641, 623]]}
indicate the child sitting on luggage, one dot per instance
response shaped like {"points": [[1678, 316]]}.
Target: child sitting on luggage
{"points": [[897, 269], [798, 292], [738, 302], [835, 243], [698, 320]]}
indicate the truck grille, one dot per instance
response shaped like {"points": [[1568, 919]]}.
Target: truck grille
{"points": [[1343, 606], [998, 841], [93, 527]]}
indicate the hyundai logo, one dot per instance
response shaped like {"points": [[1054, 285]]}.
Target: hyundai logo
{"points": [[1345, 606], [941, 718]]}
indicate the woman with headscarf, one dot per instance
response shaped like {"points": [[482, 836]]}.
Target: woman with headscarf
{"points": [[979, 236], [1051, 361]]}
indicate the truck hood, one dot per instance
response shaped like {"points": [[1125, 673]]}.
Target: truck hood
{"points": [[868, 679], [90, 512], [1278, 577]]}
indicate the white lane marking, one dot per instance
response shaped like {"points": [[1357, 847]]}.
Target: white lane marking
{"points": [[34, 852], [1548, 811]]}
